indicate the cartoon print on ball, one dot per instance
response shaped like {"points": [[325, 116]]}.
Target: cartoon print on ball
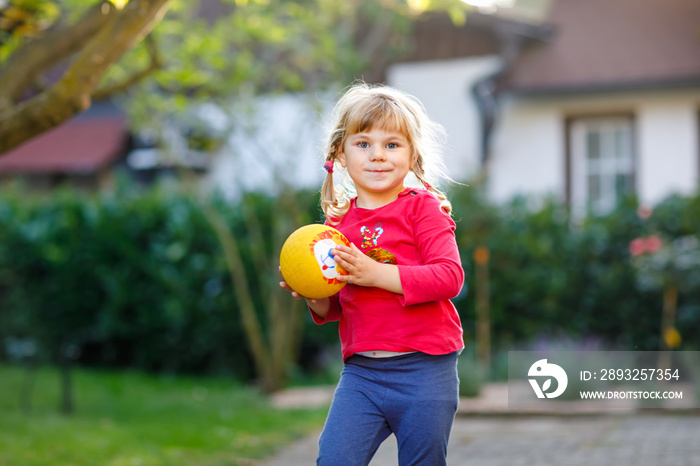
{"points": [[321, 245], [326, 261]]}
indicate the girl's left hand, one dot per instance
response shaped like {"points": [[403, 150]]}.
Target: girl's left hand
{"points": [[364, 271]]}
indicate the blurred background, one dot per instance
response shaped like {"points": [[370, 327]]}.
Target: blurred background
{"points": [[154, 156]]}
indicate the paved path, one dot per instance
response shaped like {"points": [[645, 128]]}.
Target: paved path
{"points": [[487, 433], [617, 440]]}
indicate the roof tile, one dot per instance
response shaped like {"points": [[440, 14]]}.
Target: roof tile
{"points": [[610, 43], [79, 146]]}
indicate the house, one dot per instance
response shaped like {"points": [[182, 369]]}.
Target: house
{"points": [[283, 137], [597, 99], [82, 152], [583, 100], [88, 151]]}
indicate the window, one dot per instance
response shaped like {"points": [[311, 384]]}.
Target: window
{"points": [[602, 162]]}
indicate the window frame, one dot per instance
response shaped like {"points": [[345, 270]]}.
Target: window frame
{"points": [[577, 188]]}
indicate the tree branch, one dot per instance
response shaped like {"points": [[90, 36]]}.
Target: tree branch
{"points": [[73, 92], [36, 56], [135, 78]]}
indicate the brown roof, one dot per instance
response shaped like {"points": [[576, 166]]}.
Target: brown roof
{"points": [[435, 36], [608, 44], [79, 146]]}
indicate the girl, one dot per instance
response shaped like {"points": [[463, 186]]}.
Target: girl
{"points": [[400, 334]]}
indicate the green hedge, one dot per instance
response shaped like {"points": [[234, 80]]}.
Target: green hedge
{"points": [[137, 278], [557, 278], [131, 278]]}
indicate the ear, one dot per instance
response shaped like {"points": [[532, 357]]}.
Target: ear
{"points": [[341, 158]]}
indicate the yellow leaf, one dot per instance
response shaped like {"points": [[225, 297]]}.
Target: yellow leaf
{"points": [[418, 6], [458, 15], [119, 4], [672, 337]]}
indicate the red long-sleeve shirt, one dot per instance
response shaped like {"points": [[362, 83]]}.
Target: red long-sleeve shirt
{"points": [[415, 234]]}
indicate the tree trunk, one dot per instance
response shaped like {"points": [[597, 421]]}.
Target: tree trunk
{"points": [[67, 404], [28, 385], [668, 318], [483, 311]]}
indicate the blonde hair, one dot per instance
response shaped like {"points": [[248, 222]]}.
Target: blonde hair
{"points": [[366, 106]]}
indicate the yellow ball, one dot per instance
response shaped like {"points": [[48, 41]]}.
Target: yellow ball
{"points": [[306, 263]]}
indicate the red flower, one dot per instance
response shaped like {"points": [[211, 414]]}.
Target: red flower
{"points": [[653, 244], [640, 246], [637, 247]]}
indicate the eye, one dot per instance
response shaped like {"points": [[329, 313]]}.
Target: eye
{"points": [[362, 145], [392, 145]]}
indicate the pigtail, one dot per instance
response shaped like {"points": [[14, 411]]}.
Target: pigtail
{"points": [[333, 200], [418, 170], [445, 204]]}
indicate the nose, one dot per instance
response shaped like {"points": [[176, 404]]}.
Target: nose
{"points": [[377, 154]]}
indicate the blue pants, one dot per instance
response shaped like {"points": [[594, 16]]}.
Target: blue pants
{"points": [[413, 396]]}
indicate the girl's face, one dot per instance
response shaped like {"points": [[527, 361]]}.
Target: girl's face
{"points": [[378, 161]]}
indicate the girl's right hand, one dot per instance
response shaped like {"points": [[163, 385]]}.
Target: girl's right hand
{"points": [[295, 295], [318, 306]]}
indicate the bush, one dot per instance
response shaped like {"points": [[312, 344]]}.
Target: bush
{"points": [[553, 276], [126, 279], [137, 278]]}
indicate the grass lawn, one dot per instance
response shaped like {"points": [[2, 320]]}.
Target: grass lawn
{"points": [[132, 419]]}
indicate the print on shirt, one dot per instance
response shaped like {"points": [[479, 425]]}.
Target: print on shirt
{"points": [[370, 240], [370, 237]]}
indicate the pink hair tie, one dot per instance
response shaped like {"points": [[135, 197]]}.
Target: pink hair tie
{"points": [[328, 166], [427, 185]]}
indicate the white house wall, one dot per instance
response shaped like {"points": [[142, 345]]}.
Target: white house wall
{"points": [[667, 131], [526, 151], [444, 88], [528, 155], [276, 140]]}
